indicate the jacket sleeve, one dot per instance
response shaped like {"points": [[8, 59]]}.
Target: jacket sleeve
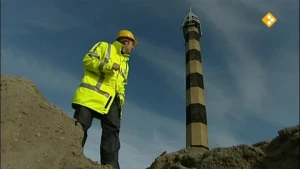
{"points": [[121, 92], [96, 60]]}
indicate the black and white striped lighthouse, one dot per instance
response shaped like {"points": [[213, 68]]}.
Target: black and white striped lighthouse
{"points": [[196, 121]]}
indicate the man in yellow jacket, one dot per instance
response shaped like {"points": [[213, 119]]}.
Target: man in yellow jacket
{"points": [[101, 93]]}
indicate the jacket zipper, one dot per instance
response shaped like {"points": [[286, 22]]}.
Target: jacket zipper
{"points": [[118, 102], [118, 73]]}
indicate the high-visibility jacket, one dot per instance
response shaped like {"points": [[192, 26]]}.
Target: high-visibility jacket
{"points": [[100, 83]]}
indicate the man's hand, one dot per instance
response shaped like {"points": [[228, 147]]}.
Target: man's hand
{"points": [[116, 66], [121, 102]]}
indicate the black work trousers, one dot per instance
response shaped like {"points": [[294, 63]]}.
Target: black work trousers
{"points": [[110, 123]]}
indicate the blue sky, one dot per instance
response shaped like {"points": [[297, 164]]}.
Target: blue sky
{"points": [[251, 72]]}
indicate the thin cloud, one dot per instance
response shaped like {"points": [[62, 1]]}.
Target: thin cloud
{"points": [[44, 14], [252, 77], [243, 63], [167, 61], [44, 75]]}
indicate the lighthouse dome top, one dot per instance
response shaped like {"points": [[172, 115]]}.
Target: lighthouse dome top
{"points": [[191, 17], [191, 20]]}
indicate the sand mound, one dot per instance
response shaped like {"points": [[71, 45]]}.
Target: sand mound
{"points": [[279, 153], [35, 134]]}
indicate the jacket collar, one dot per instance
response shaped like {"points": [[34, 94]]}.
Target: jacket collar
{"points": [[119, 47]]}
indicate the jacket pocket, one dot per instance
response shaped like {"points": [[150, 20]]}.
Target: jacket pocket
{"points": [[108, 101]]}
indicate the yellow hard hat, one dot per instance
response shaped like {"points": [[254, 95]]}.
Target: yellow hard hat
{"points": [[127, 34]]}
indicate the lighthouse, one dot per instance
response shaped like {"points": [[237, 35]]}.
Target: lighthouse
{"points": [[196, 120]]}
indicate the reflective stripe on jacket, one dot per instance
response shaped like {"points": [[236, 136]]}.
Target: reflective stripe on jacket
{"points": [[100, 83]]}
